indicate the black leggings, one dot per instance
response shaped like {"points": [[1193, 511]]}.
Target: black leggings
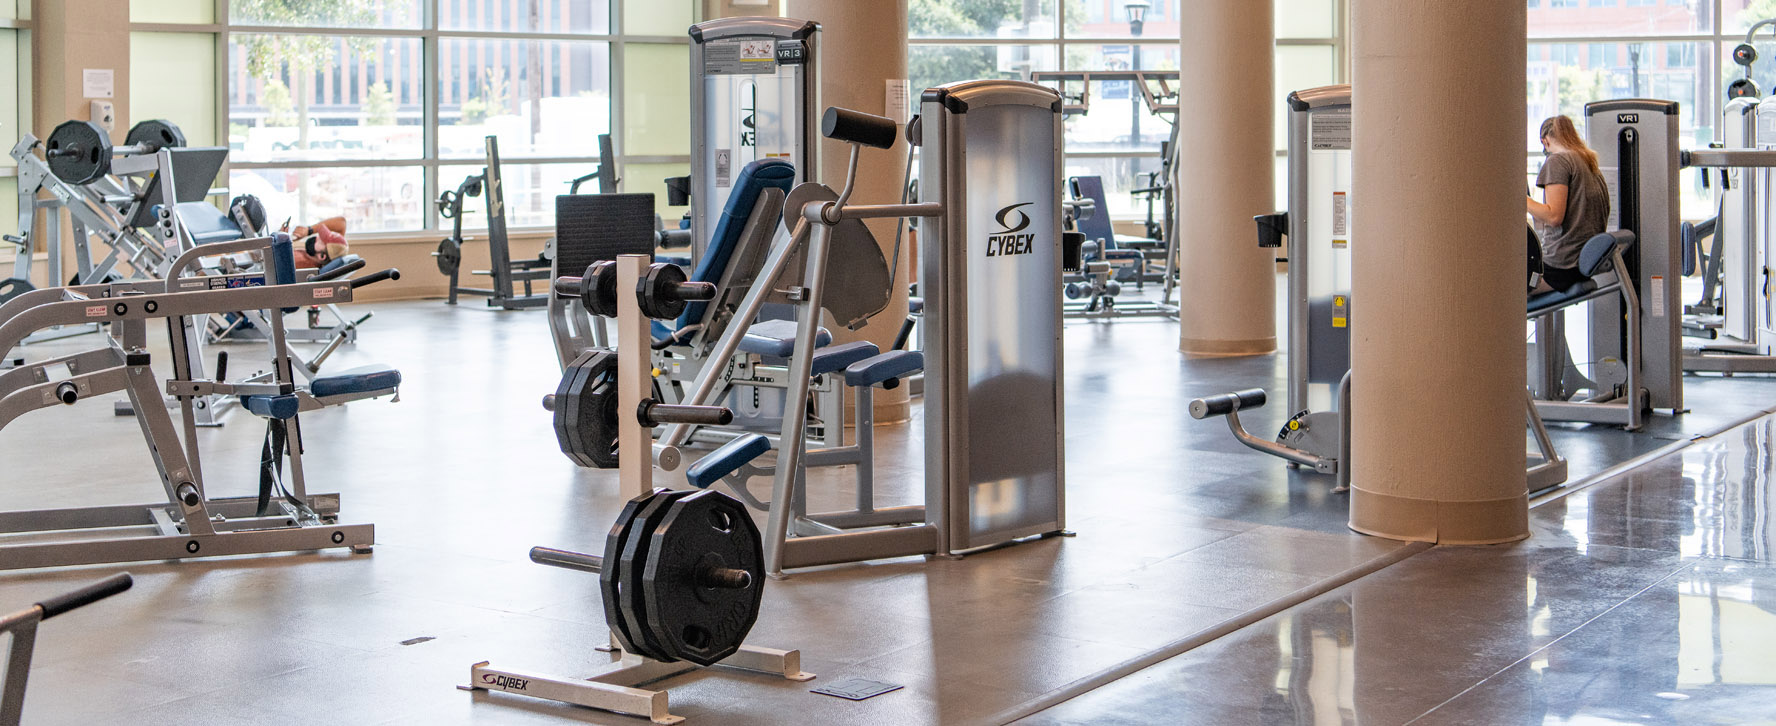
{"points": [[1561, 278]]}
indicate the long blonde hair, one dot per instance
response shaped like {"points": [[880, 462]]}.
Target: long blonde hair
{"points": [[1561, 131]]}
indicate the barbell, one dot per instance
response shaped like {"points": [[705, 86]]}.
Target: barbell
{"points": [[80, 152]]}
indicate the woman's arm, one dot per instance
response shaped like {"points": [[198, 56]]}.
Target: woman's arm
{"points": [[1554, 211]]}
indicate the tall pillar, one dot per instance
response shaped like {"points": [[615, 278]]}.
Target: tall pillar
{"points": [[1437, 281], [1225, 175], [69, 37], [863, 48]]}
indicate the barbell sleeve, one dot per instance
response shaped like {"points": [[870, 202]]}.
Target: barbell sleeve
{"points": [[653, 413], [567, 560], [694, 291], [568, 287]]}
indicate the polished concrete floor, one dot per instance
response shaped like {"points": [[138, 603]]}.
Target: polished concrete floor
{"points": [[1180, 530]]}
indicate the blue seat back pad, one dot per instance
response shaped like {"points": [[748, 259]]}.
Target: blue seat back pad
{"points": [[754, 178], [776, 338], [1098, 227]]}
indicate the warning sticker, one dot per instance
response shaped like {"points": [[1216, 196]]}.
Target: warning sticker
{"points": [[1340, 220], [724, 167], [1340, 311], [323, 293], [1330, 131], [740, 57], [1615, 197], [1656, 295], [96, 311]]}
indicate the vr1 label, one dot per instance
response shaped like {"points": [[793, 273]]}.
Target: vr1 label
{"points": [[1627, 118], [1011, 239]]}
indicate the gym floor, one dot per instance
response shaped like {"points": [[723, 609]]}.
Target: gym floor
{"points": [[1606, 612]]}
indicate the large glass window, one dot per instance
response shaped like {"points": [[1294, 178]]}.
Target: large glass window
{"points": [[369, 108], [954, 40]]}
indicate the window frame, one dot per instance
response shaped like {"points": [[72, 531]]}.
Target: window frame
{"points": [[430, 37]]}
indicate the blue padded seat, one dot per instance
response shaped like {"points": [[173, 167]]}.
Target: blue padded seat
{"points": [[363, 379], [752, 181], [837, 357], [206, 223], [1099, 226], [725, 460], [1594, 259], [776, 338], [266, 406], [892, 364]]}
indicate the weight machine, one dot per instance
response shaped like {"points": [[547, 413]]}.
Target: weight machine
{"points": [[504, 273], [1089, 298], [190, 523], [682, 574], [1317, 226], [1735, 315]]}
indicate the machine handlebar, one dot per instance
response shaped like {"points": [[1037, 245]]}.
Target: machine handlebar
{"points": [[375, 277], [1227, 403], [88, 595]]}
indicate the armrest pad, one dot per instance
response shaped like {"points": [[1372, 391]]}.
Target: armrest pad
{"points": [[893, 364], [725, 460]]}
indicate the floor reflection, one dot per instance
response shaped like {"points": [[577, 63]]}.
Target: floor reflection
{"points": [[1648, 599]]}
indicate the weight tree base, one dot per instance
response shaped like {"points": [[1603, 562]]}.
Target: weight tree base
{"points": [[615, 690]]}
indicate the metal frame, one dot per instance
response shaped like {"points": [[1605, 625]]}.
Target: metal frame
{"points": [[189, 523]]}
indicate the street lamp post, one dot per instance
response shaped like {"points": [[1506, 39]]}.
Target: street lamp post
{"points": [[1137, 15]]}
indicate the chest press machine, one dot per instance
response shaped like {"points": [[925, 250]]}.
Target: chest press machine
{"points": [[1320, 304]]}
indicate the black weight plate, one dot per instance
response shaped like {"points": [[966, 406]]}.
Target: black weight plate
{"points": [[78, 152], [655, 291], [12, 287], [449, 256], [567, 407], [610, 586], [597, 422], [155, 134], [600, 289], [695, 622], [631, 597]]}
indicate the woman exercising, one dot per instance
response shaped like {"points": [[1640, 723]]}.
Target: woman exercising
{"points": [[1575, 204]]}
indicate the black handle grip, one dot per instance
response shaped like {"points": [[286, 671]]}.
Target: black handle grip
{"points": [[222, 365], [85, 596], [338, 272], [1227, 403], [376, 277], [858, 127]]}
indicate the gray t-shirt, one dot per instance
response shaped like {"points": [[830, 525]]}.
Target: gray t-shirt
{"points": [[1587, 208]]}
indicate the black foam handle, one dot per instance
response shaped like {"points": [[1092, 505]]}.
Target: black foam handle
{"points": [[375, 277], [858, 127], [340, 271], [654, 414], [85, 596], [1226, 403]]}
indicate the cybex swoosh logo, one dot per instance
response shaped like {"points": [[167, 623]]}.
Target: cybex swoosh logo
{"points": [[1023, 219]]}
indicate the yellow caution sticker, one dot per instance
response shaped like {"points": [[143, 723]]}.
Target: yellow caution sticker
{"points": [[1294, 425]]}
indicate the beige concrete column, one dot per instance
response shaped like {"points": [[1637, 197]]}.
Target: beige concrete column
{"points": [[863, 46], [1437, 285], [67, 38], [1225, 176]]}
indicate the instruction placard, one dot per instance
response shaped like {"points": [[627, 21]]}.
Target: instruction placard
{"points": [[1610, 179], [897, 103], [1340, 220], [724, 167], [745, 56], [98, 82], [1330, 131]]}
